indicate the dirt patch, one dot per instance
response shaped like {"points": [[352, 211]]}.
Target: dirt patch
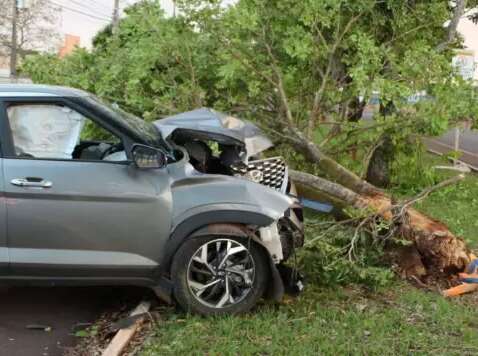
{"points": [[95, 338]]}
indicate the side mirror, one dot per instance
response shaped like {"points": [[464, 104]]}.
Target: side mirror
{"points": [[146, 157]]}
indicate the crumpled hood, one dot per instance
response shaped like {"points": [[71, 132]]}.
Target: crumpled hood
{"points": [[194, 192], [219, 126]]}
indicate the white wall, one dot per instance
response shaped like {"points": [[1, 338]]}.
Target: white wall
{"points": [[470, 31]]}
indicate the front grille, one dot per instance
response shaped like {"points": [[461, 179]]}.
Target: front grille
{"points": [[271, 172]]}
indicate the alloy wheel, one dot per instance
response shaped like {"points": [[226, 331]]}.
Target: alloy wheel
{"points": [[221, 273]]}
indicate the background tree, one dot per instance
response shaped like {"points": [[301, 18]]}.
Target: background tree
{"points": [[35, 27], [304, 71]]}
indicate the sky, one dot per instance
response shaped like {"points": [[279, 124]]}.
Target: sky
{"points": [[85, 18]]}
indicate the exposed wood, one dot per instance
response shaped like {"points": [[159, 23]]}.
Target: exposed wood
{"points": [[124, 336], [441, 252]]}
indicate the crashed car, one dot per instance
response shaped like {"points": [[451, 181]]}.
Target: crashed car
{"points": [[185, 205]]}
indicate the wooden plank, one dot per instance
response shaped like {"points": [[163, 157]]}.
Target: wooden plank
{"points": [[124, 336]]}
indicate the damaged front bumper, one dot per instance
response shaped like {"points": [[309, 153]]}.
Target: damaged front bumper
{"points": [[285, 235], [281, 239]]}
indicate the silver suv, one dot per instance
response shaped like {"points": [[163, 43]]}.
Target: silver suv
{"points": [[184, 205]]}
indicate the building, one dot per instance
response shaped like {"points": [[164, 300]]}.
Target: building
{"points": [[464, 63], [71, 42], [469, 31]]}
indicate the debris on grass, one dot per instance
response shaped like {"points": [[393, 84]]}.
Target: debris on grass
{"points": [[469, 281]]}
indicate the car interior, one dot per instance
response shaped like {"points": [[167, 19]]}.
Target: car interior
{"points": [[50, 131], [209, 154]]}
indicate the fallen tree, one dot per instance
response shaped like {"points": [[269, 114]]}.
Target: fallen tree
{"points": [[305, 71], [435, 251], [342, 51]]}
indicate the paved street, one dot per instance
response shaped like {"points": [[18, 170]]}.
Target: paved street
{"points": [[468, 145], [59, 308]]}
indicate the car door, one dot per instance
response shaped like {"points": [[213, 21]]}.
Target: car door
{"points": [[78, 218]]}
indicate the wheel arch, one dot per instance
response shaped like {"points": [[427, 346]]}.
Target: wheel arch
{"points": [[220, 223], [211, 222]]}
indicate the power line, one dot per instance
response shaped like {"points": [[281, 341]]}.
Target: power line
{"points": [[80, 12], [85, 7], [96, 3]]}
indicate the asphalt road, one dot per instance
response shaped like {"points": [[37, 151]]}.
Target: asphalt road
{"points": [[468, 145], [58, 308]]}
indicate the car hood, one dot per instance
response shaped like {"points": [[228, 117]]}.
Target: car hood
{"points": [[207, 123]]}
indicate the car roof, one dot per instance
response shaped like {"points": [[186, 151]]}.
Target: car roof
{"points": [[29, 90]]}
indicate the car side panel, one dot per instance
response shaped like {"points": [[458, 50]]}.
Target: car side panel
{"points": [[100, 218]]}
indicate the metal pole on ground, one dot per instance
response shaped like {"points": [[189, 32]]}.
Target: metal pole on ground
{"points": [[457, 143]]}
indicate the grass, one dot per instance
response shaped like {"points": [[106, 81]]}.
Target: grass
{"points": [[348, 320], [345, 321], [457, 206]]}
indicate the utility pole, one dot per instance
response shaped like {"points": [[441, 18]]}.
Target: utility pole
{"points": [[13, 45], [116, 16]]}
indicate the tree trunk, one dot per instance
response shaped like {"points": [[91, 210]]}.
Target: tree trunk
{"points": [[378, 170], [441, 253]]}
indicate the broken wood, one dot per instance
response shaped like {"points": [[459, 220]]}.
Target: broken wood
{"points": [[441, 253], [124, 336]]}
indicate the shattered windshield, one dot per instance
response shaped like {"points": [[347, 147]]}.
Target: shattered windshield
{"points": [[141, 128]]}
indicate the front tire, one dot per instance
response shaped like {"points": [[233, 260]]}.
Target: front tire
{"points": [[219, 275]]}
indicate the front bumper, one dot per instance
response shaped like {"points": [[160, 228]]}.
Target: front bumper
{"points": [[291, 230]]}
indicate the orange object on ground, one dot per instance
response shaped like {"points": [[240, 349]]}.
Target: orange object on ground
{"points": [[461, 289], [469, 279]]}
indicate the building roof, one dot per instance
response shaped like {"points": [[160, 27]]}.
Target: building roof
{"points": [[39, 90]]}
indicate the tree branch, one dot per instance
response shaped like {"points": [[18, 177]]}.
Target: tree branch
{"points": [[325, 77], [452, 27]]}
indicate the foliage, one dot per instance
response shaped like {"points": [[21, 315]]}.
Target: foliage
{"points": [[319, 61], [412, 169], [153, 66], [333, 52], [325, 262]]}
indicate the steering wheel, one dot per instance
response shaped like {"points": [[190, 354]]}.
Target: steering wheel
{"points": [[112, 149]]}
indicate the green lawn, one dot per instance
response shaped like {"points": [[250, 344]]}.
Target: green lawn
{"points": [[457, 206], [401, 320], [344, 320]]}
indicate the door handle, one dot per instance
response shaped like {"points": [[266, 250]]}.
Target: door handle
{"points": [[31, 182]]}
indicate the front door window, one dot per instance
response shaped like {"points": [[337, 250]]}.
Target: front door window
{"points": [[47, 131]]}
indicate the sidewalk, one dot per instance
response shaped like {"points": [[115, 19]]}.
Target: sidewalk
{"points": [[8, 80]]}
